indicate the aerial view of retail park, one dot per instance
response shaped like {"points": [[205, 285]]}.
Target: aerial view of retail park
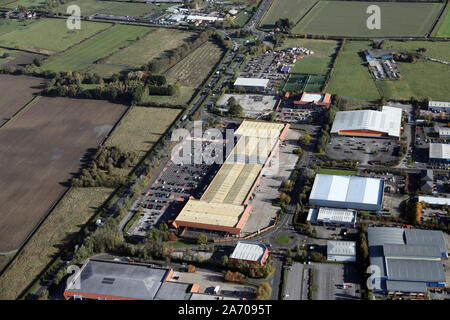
{"points": [[224, 150]]}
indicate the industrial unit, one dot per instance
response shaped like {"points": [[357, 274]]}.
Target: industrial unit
{"points": [[439, 152], [224, 205], [349, 192], [368, 123], [250, 252], [332, 216], [409, 260], [439, 106], [251, 83], [317, 99], [341, 251]]}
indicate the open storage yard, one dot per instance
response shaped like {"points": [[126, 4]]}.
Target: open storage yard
{"points": [[49, 36], [21, 90], [40, 151], [141, 128], [348, 18], [318, 63], [294, 10], [75, 210], [100, 46], [153, 45]]}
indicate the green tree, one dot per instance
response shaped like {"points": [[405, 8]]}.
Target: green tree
{"points": [[202, 239]]}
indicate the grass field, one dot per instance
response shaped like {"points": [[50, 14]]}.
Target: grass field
{"points": [[348, 18], [8, 25], [31, 4], [351, 77], [49, 35], [444, 27], [292, 9], [438, 50], [282, 239], [337, 172], [41, 148], [318, 63], [181, 97], [96, 48], [75, 210], [141, 128], [91, 7], [140, 52]]}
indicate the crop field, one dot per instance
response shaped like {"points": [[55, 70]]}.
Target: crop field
{"points": [[96, 48], [140, 52], [91, 7], [351, 77], [348, 18], [318, 63], [40, 150], [21, 90], [74, 211], [141, 128], [193, 69], [294, 10], [48, 36]]}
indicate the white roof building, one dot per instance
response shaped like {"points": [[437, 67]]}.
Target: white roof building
{"points": [[250, 251], [444, 132], [347, 192], [387, 122], [435, 200], [332, 216], [440, 151], [438, 105], [341, 251], [252, 82], [203, 18]]}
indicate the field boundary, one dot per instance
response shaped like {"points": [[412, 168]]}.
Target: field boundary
{"points": [[435, 29], [24, 50], [331, 71], [307, 12], [21, 110]]}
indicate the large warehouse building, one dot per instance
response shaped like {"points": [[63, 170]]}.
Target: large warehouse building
{"points": [[250, 252], [368, 123], [332, 216], [439, 106], [409, 260], [341, 251], [439, 152], [349, 192], [251, 83], [224, 205]]}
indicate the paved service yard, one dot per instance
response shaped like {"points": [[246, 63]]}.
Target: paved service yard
{"points": [[263, 212], [296, 287], [208, 279], [329, 278]]}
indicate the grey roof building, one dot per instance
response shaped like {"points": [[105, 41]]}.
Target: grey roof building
{"points": [[409, 260]]}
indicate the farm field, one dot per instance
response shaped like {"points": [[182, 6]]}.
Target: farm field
{"points": [[140, 52], [351, 77], [180, 98], [348, 18], [30, 4], [444, 28], [74, 211], [438, 50], [49, 36], [17, 58], [91, 7], [21, 90], [318, 63], [294, 10], [193, 69], [96, 48], [40, 150], [141, 128]]}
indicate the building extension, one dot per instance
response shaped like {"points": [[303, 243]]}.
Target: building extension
{"points": [[250, 252], [317, 99], [439, 152], [409, 260], [348, 192], [224, 205], [341, 251], [368, 123]]}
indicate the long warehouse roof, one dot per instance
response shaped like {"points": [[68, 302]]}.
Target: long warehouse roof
{"points": [[386, 121], [250, 251], [251, 82], [439, 151], [350, 189]]}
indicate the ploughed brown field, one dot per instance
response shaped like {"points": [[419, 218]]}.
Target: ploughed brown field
{"points": [[39, 150], [15, 92]]}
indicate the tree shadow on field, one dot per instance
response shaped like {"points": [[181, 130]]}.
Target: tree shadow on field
{"points": [[85, 159]]}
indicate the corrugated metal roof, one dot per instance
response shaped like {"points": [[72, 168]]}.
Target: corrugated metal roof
{"points": [[426, 237], [442, 104], [250, 251], [343, 248], [434, 200], [415, 270], [387, 121], [411, 251], [439, 151], [336, 215], [406, 286], [251, 82], [347, 189], [385, 235]]}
